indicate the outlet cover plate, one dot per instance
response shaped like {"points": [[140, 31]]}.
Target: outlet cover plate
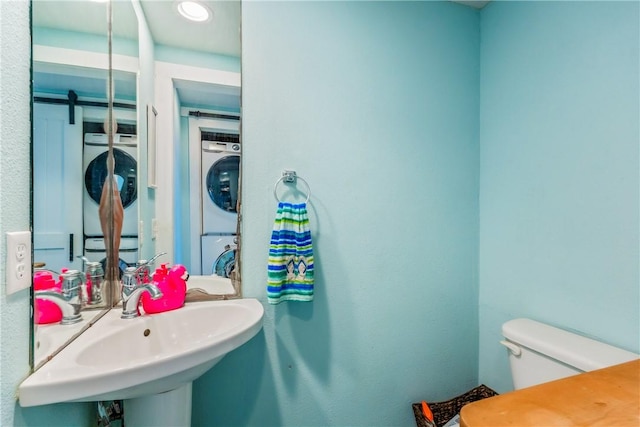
{"points": [[18, 267]]}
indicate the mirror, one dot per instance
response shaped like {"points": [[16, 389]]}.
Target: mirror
{"points": [[177, 108], [70, 70]]}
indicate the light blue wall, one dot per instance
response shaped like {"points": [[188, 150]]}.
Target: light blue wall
{"points": [[559, 172], [375, 104], [338, 89], [15, 215], [14, 194], [83, 41]]}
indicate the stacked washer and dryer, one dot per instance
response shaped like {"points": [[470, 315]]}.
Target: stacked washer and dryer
{"points": [[95, 174], [220, 171]]}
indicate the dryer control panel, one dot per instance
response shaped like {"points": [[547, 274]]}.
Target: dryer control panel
{"points": [[220, 147], [119, 139]]}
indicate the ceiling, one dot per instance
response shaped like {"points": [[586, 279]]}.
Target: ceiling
{"points": [[477, 4], [220, 35]]}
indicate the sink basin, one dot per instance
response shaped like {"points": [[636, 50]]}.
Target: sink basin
{"points": [[151, 354], [212, 284], [49, 338]]}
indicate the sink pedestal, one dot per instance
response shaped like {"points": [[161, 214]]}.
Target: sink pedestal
{"points": [[170, 409]]}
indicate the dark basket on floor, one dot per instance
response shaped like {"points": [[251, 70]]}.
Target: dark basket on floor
{"points": [[444, 411]]}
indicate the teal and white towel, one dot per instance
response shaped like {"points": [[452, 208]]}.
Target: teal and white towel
{"points": [[290, 270]]}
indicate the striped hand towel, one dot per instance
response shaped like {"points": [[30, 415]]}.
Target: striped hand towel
{"points": [[290, 269]]}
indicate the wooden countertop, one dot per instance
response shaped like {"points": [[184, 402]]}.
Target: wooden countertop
{"points": [[607, 397]]}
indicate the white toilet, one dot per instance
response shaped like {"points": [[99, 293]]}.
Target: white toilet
{"points": [[539, 353]]}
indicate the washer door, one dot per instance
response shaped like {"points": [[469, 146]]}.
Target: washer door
{"points": [[126, 169], [222, 183], [225, 263]]}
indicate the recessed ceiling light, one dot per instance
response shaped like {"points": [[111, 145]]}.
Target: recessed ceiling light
{"points": [[194, 11]]}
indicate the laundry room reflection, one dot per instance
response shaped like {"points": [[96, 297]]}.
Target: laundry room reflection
{"points": [[212, 238], [70, 170]]}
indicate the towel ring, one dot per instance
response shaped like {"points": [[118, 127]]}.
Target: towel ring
{"points": [[290, 177]]}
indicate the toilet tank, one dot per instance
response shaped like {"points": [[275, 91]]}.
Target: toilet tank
{"points": [[539, 353]]}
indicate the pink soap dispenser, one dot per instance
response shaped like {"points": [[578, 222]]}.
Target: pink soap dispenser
{"points": [[173, 286], [46, 311]]}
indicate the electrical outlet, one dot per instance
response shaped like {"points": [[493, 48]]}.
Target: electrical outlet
{"points": [[18, 268]]}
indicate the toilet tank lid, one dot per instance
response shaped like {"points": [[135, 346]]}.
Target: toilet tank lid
{"points": [[570, 348]]}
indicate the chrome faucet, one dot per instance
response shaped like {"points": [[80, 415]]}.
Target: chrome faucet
{"points": [[70, 300], [94, 274], [70, 312], [132, 291]]}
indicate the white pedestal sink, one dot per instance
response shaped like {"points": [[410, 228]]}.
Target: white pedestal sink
{"points": [[170, 409], [142, 358]]}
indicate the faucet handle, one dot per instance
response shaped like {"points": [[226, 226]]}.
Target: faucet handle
{"points": [[72, 285], [72, 280], [129, 280], [94, 275], [155, 257], [144, 266], [143, 262], [94, 268], [84, 259]]}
